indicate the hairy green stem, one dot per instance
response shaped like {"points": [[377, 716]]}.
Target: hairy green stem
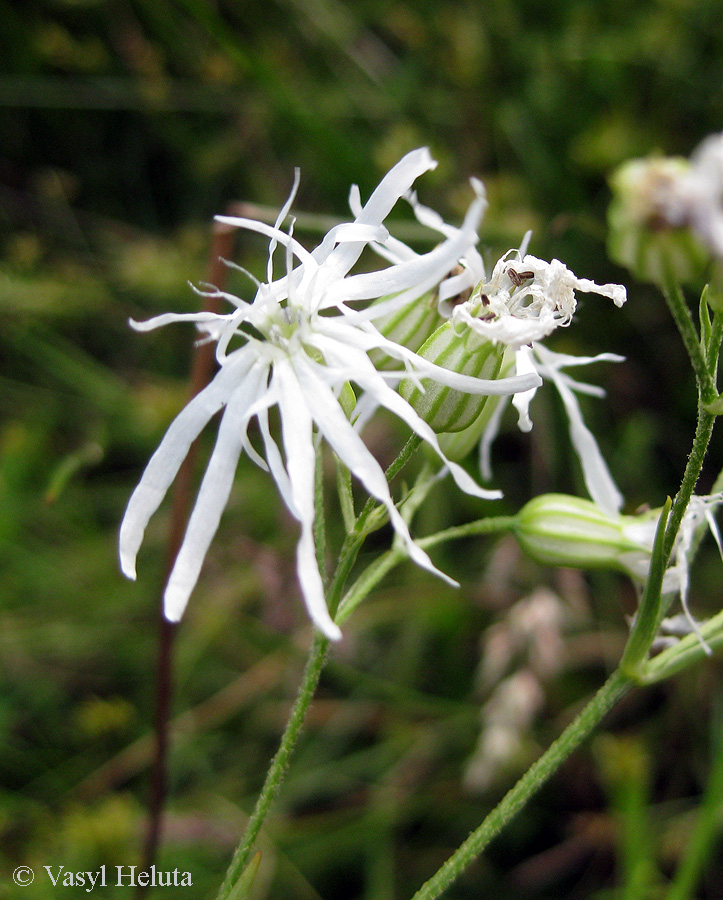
{"points": [[701, 439], [279, 764], [312, 672], [647, 618], [381, 566], [608, 695], [684, 321], [320, 517]]}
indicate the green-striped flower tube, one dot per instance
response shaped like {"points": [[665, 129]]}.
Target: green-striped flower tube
{"points": [[460, 350], [409, 326], [562, 530]]}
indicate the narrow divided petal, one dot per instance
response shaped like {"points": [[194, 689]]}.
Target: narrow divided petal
{"points": [[296, 423], [173, 449], [214, 491], [353, 452], [390, 189], [524, 365], [598, 480]]}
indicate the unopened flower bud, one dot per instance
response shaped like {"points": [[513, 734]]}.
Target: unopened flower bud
{"points": [[562, 530], [650, 218], [461, 351]]}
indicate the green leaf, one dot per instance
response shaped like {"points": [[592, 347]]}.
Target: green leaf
{"points": [[240, 890]]}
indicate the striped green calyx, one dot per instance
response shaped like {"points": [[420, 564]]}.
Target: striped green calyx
{"points": [[460, 350], [563, 530]]}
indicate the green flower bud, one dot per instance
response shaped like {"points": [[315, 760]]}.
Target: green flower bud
{"points": [[561, 530], [461, 351], [649, 222]]}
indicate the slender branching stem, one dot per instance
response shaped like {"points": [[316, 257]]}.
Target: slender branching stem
{"points": [[279, 764], [608, 695], [310, 679]]}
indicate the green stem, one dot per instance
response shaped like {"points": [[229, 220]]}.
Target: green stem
{"points": [[405, 454], [279, 764], [312, 673], [716, 337], [608, 695], [701, 439], [381, 566], [684, 320], [647, 618], [346, 494]]}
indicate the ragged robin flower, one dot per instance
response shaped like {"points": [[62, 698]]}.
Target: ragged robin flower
{"points": [[303, 343], [523, 302]]}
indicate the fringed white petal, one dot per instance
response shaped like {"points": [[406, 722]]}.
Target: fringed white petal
{"points": [[385, 196], [200, 318], [213, 493], [524, 365], [296, 424], [173, 449], [415, 276], [598, 480], [616, 292]]}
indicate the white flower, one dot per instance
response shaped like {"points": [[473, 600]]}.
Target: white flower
{"points": [[302, 344], [679, 192], [524, 301], [699, 198]]}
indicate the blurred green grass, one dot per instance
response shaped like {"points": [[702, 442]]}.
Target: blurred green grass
{"points": [[124, 126]]}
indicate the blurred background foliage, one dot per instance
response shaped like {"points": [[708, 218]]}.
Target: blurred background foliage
{"points": [[124, 127]]}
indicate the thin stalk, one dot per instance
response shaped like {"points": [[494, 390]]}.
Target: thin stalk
{"points": [[609, 694], [310, 679], [647, 618], [405, 454], [279, 764], [346, 494], [701, 439], [320, 517], [684, 321], [381, 566], [716, 337]]}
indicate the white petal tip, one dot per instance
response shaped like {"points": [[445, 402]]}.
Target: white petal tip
{"points": [[128, 566], [332, 631], [174, 603]]}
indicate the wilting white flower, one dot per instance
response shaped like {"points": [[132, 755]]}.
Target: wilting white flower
{"points": [[672, 192], [303, 344], [523, 302], [698, 198]]}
